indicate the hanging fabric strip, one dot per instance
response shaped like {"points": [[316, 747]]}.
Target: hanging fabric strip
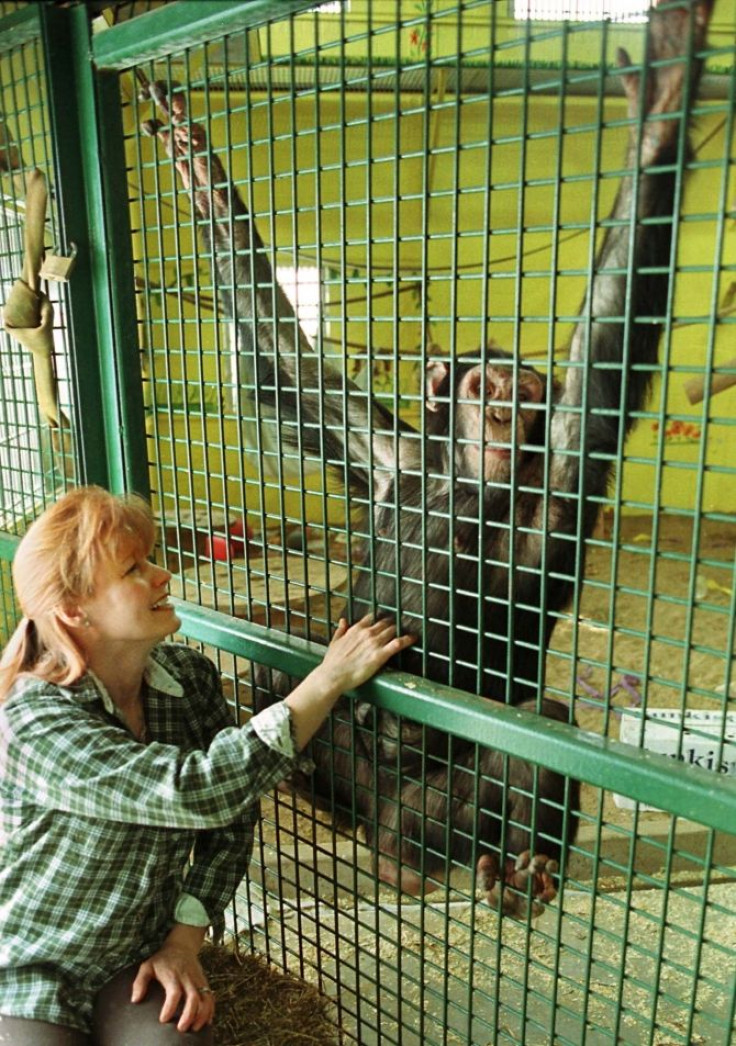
{"points": [[28, 314]]}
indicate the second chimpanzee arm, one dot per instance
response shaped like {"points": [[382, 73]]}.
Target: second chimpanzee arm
{"points": [[607, 341], [313, 397]]}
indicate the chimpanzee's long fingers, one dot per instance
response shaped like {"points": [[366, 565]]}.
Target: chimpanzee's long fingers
{"points": [[178, 104], [159, 91], [151, 128]]}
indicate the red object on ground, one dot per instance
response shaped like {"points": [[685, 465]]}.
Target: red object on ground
{"points": [[222, 549]]}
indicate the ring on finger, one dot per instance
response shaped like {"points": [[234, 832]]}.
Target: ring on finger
{"points": [[205, 990]]}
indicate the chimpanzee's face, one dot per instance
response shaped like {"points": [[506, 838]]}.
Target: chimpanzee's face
{"points": [[494, 408]]}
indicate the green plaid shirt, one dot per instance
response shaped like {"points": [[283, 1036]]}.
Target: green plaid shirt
{"points": [[107, 841]]}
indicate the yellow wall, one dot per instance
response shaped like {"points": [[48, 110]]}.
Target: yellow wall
{"points": [[357, 148]]}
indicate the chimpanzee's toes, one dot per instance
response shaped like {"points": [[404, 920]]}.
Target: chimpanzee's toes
{"points": [[512, 892], [536, 870], [488, 873]]}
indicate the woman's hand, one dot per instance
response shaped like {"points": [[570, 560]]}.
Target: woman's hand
{"points": [[177, 969], [356, 652]]}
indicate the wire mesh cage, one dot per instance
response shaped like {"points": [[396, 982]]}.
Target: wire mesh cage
{"points": [[368, 179], [332, 209], [36, 453], [419, 181]]}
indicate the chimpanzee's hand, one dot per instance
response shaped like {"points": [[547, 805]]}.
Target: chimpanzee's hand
{"points": [[666, 79]]}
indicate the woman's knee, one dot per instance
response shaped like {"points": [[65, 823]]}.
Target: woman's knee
{"points": [[17, 1031]]}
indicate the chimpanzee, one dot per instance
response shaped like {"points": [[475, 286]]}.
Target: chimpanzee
{"points": [[480, 520]]}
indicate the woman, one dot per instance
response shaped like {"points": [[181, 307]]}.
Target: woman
{"points": [[128, 796]]}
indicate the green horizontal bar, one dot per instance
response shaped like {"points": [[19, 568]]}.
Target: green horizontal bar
{"points": [[170, 29], [8, 544], [19, 27], [685, 791]]}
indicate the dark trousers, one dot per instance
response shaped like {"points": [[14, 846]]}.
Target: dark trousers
{"points": [[116, 1022]]}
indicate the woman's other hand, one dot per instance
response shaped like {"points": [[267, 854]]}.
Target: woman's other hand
{"points": [[177, 969]]}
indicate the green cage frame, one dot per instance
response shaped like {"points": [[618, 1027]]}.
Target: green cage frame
{"points": [[111, 447]]}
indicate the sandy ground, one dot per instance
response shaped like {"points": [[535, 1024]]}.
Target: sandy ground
{"points": [[603, 967]]}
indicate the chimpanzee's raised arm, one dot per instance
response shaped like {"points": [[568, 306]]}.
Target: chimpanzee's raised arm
{"points": [[312, 395], [622, 314]]}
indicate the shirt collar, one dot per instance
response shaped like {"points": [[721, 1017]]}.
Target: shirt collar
{"points": [[155, 675], [160, 679]]}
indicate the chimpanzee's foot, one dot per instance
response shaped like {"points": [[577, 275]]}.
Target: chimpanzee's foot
{"points": [[513, 890]]}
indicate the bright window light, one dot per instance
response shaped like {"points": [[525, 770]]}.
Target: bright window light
{"points": [[303, 288], [581, 10], [331, 7]]}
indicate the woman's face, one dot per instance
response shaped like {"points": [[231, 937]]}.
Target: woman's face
{"points": [[130, 601]]}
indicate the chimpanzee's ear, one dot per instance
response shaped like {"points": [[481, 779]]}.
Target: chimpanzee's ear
{"points": [[531, 385], [435, 374]]}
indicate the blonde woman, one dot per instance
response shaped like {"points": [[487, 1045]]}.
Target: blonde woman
{"points": [[128, 796]]}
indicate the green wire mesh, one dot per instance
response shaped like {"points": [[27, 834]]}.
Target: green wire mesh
{"points": [[423, 175], [378, 149], [35, 461]]}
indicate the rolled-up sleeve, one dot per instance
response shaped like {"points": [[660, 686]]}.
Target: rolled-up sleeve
{"points": [[220, 857]]}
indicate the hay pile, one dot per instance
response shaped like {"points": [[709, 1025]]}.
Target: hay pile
{"points": [[258, 1005]]}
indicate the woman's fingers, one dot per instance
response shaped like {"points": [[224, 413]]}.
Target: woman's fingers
{"points": [[186, 991], [199, 1008]]}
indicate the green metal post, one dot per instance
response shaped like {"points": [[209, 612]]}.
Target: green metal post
{"points": [[93, 203]]}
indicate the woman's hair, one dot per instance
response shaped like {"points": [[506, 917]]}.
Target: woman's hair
{"points": [[54, 568]]}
